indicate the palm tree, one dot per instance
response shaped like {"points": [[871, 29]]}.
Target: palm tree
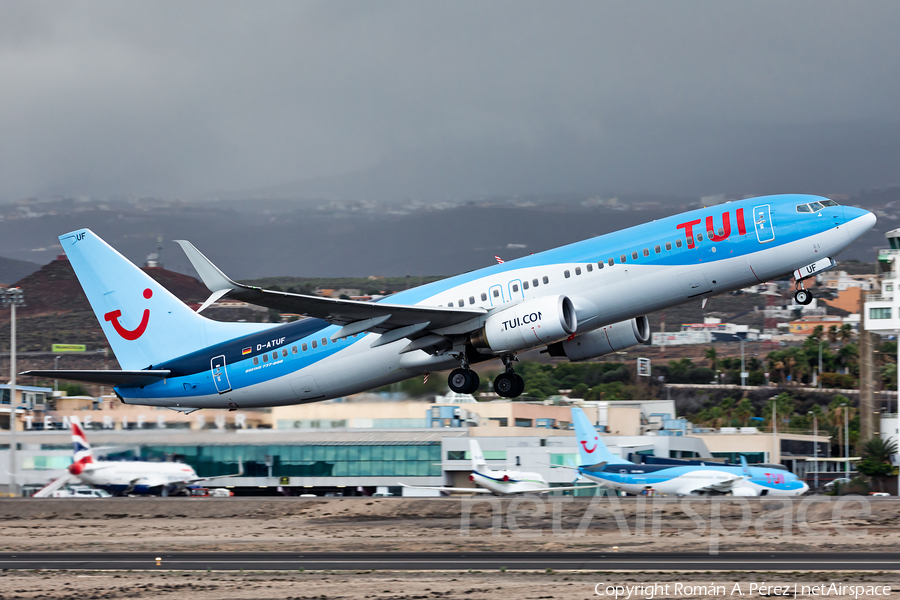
{"points": [[727, 409], [876, 460], [743, 411], [832, 334], [710, 353], [845, 333]]}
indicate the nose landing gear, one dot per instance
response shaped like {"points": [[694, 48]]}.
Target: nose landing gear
{"points": [[803, 296]]}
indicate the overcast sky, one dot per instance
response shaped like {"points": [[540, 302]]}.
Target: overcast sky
{"points": [[182, 98]]}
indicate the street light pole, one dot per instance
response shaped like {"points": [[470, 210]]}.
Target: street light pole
{"points": [[743, 370], [815, 449], [846, 442], [774, 427], [56, 368], [12, 297]]}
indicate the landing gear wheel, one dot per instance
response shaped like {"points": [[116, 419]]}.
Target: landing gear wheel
{"points": [[463, 381], [505, 385], [803, 297]]}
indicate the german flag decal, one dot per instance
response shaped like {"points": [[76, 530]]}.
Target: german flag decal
{"points": [[246, 351]]}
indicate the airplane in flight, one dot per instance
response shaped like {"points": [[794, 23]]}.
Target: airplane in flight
{"points": [[500, 483], [600, 465], [578, 301], [124, 477]]}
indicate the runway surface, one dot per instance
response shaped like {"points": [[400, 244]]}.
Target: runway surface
{"points": [[450, 561]]}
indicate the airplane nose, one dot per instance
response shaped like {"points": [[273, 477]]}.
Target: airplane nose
{"points": [[858, 221]]}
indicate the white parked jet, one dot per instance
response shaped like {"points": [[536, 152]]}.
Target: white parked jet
{"points": [[500, 483], [124, 477], [579, 301]]}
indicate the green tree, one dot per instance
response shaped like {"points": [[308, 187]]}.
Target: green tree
{"points": [[743, 411], [710, 354], [876, 460]]}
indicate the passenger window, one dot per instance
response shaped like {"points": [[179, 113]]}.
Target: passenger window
{"points": [[304, 347], [690, 241], [293, 349], [646, 252], [590, 267], [484, 297], [461, 303], [546, 279], [668, 245], [803, 208], [709, 234], [678, 243], [578, 270], [255, 360], [324, 341], [534, 282], [450, 304], [265, 358], [471, 299], [314, 344], [612, 261], [496, 293], [524, 285], [275, 355], [515, 287], [284, 352], [657, 249], [634, 255], [566, 274], [699, 237]]}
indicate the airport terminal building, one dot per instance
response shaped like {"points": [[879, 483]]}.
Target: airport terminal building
{"points": [[370, 444]]}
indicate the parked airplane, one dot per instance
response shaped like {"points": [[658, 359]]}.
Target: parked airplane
{"points": [[600, 465], [579, 301], [124, 477], [499, 482]]}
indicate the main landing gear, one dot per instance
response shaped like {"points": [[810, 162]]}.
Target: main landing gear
{"points": [[508, 384], [463, 380]]}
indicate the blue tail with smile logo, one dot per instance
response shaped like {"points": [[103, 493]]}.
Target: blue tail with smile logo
{"points": [[144, 322], [591, 449]]}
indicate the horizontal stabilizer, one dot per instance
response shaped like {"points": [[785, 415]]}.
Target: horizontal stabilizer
{"points": [[122, 378]]}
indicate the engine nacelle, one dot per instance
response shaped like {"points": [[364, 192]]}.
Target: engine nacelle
{"points": [[605, 340], [527, 325]]}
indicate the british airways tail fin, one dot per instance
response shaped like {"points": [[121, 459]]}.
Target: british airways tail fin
{"points": [[81, 448], [591, 449], [144, 322]]}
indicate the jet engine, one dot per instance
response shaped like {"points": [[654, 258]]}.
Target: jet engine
{"points": [[527, 325], [605, 340]]}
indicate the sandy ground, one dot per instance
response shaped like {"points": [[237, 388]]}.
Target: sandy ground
{"points": [[405, 585], [432, 525]]}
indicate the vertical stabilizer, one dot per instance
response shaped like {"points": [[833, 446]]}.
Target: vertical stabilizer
{"points": [[81, 448], [591, 449], [144, 322], [478, 462]]}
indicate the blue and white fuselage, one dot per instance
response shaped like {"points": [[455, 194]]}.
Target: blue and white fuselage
{"points": [[598, 464], [581, 300]]}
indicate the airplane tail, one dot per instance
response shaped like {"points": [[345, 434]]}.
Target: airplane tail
{"points": [[144, 322], [81, 448], [478, 461], [591, 449], [744, 466]]}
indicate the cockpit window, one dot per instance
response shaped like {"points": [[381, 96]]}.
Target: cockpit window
{"points": [[815, 206]]}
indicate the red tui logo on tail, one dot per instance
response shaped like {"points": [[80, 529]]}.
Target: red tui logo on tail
{"points": [[130, 334]]}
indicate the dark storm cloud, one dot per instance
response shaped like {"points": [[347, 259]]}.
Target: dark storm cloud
{"points": [[174, 98]]}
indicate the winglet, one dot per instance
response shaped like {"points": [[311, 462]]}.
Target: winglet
{"points": [[211, 275]]}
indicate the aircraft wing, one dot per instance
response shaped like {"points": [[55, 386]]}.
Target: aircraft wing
{"points": [[719, 486], [56, 484], [354, 316], [238, 474], [123, 378], [471, 490]]}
